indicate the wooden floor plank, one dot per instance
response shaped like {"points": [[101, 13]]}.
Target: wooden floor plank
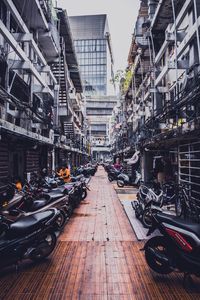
{"points": [[97, 257]]}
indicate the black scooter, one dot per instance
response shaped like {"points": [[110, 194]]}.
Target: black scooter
{"points": [[83, 186], [113, 174], [32, 237], [177, 249]]}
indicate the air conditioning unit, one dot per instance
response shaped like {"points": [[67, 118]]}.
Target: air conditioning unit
{"points": [[169, 36], [71, 90], [171, 64], [51, 134], [141, 113], [63, 138]]}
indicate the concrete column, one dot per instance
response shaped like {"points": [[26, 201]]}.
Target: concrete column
{"points": [[147, 165]]}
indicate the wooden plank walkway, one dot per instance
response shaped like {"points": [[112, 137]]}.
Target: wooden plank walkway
{"points": [[97, 257]]}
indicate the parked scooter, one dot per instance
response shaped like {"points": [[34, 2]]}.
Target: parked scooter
{"points": [[33, 199], [28, 206], [87, 171], [177, 249], [31, 237], [151, 199], [113, 174], [76, 189], [124, 179], [84, 187]]}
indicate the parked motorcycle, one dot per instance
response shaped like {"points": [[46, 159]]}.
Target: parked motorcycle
{"points": [[7, 192], [76, 189], [113, 174], [124, 179], [31, 237], [177, 249], [28, 206], [87, 171], [84, 187], [33, 199], [152, 199]]}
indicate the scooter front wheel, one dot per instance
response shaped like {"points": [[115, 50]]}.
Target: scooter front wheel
{"points": [[179, 207], [120, 183], [147, 218], [110, 178], [84, 194]]}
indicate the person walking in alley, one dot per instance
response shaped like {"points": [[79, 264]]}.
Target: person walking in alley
{"points": [[117, 164]]}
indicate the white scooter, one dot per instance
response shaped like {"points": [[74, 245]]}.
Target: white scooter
{"points": [[123, 179]]}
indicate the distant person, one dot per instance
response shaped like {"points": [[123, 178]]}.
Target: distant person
{"points": [[64, 172], [18, 184], [117, 165]]}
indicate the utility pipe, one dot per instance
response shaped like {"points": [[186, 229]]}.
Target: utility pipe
{"points": [[175, 42], [197, 27]]}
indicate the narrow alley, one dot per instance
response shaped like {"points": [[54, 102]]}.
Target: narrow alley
{"points": [[97, 257]]}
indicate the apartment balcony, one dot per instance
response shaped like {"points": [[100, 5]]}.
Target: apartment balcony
{"points": [[23, 62], [39, 18], [49, 42], [163, 14], [74, 100]]}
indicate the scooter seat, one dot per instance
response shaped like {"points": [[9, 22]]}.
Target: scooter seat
{"points": [[55, 195], [76, 178], [37, 204], [178, 222], [28, 224], [69, 187]]}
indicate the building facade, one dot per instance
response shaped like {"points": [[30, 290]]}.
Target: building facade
{"points": [[31, 87], [95, 57], [69, 108], [160, 92]]}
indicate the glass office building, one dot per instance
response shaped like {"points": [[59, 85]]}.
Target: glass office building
{"points": [[92, 57], [94, 52], [92, 44]]}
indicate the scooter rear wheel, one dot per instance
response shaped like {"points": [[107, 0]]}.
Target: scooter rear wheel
{"points": [[44, 248], [61, 220], [157, 244]]}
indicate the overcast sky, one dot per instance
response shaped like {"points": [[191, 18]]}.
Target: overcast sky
{"points": [[121, 18]]}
